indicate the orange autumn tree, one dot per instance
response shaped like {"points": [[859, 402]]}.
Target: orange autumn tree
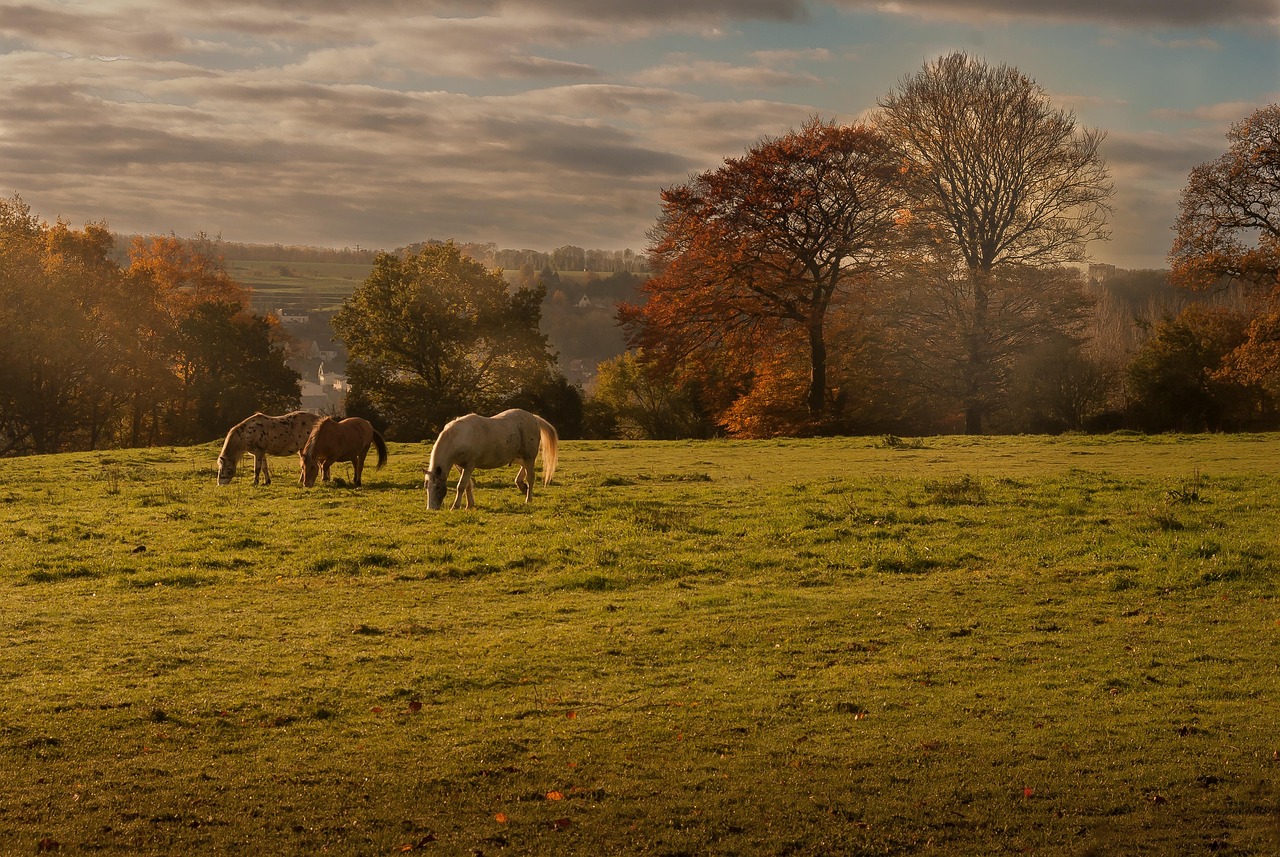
{"points": [[752, 257], [1229, 214], [1228, 229], [185, 273], [217, 360]]}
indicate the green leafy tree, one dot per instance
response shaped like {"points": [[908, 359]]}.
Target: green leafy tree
{"points": [[1177, 381], [432, 335], [231, 364], [643, 401]]}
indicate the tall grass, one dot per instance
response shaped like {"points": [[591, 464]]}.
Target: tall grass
{"points": [[951, 646]]}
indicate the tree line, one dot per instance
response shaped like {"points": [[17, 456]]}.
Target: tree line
{"points": [[160, 350], [920, 273]]}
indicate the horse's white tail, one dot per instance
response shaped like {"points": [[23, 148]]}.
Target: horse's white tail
{"points": [[550, 446]]}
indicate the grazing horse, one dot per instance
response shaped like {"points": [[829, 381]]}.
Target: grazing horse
{"points": [[333, 440], [263, 435], [486, 442]]}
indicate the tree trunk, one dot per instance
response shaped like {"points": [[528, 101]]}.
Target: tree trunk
{"points": [[973, 419], [979, 354], [817, 370]]}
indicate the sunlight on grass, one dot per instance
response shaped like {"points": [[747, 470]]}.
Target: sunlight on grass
{"points": [[824, 646]]}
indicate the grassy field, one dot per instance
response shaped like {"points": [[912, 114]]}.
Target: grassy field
{"points": [[298, 285], [846, 646]]}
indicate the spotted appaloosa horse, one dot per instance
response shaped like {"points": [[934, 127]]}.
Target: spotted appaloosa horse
{"points": [[486, 442], [333, 440], [263, 435]]}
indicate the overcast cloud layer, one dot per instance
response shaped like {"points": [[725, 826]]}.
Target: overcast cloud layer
{"points": [[537, 123]]}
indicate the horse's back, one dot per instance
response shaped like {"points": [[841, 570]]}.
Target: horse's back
{"points": [[335, 440]]}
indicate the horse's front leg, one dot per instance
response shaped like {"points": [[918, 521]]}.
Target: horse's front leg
{"points": [[326, 470], [464, 488]]}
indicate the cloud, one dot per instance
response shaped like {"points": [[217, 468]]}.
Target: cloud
{"points": [[684, 72], [1224, 113], [1136, 13], [1163, 158], [391, 121], [1201, 44], [790, 57]]}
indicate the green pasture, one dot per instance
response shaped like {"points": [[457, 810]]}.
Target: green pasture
{"points": [[843, 646], [299, 285]]}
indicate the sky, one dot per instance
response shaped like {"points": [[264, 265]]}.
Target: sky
{"points": [[540, 123]]}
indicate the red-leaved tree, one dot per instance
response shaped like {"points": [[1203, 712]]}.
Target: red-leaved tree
{"points": [[753, 256]]}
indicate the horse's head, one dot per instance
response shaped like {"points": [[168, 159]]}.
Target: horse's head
{"points": [[435, 480], [226, 469], [310, 468]]}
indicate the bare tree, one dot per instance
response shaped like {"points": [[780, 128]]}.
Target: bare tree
{"points": [[999, 178]]}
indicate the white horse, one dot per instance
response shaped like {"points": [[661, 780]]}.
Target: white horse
{"points": [[487, 442], [263, 435]]}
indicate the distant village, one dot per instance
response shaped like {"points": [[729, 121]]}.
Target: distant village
{"points": [[321, 361]]}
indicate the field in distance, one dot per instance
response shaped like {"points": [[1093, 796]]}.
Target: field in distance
{"points": [[324, 285], [839, 646]]}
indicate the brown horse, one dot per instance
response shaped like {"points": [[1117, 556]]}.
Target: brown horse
{"points": [[332, 440]]}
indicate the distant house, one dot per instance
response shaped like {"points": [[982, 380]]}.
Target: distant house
{"points": [[327, 394], [292, 316], [314, 352], [587, 302]]}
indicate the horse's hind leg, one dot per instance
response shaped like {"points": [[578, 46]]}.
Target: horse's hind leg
{"points": [[464, 488], [266, 470], [524, 479], [259, 463], [358, 464]]}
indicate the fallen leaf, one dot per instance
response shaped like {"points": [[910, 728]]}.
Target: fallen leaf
{"points": [[501, 818], [415, 705], [377, 709], [555, 795], [572, 715], [1028, 792]]}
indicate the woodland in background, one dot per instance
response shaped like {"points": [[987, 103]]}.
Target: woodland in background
{"points": [[95, 354], [923, 274], [882, 279], [433, 334]]}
